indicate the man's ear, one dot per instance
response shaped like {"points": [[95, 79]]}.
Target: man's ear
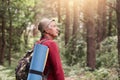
{"points": [[47, 30]]}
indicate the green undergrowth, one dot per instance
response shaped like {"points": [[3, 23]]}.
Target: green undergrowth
{"points": [[77, 73], [73, 72], [6, 73]]}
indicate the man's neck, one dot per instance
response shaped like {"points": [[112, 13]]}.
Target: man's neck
{"points": [[48, 36]]}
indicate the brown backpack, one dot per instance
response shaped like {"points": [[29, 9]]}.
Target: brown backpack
{"points": [[22, 69]]}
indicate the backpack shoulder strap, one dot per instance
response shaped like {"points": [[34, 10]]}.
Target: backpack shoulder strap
{"points": [[41, 41]]}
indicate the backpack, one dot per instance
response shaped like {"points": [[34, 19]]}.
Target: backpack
{"points": [[22, 69]]}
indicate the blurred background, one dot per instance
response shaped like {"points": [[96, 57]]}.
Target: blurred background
{"points": [[89, 42]]}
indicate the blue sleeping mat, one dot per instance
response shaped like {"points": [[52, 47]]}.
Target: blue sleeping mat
{"points": [[38, 62]]}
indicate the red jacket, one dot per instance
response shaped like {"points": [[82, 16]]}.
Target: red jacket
{"points": [[53, 65]]}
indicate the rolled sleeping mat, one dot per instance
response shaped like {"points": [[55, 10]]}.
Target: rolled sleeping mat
{"points": [[38, 62]]}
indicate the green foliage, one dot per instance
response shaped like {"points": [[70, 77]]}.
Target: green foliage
{"points": [[106, 63], [106, 74], [78, 73], [22, 14], [6, 74], [107, 55], [75, 52]]}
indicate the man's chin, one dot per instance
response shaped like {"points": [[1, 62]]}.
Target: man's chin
{"points": [[55, 36]]}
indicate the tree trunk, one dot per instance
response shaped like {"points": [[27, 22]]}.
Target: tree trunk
{"points": [[10, 33], [89, 14], [75, 23], [67, 23], [0, 34], [76, 18], [104, 17], [0, 41], [118, 27], [102, 23], [3, 36], [37, 14], [110, 21], [59, 11], [74, 31]]}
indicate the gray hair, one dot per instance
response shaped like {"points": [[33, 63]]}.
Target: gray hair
{"points": [[44, 24]]}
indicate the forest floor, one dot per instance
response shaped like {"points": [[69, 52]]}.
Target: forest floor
{"points": [[7, 73], [69, 78]]}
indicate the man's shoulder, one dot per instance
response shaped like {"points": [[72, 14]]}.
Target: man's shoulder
{"points": [[45, 41], [52, 45], [50, 42]]}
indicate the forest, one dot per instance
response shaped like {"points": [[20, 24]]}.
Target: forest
{"points": [[89, 40]]}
